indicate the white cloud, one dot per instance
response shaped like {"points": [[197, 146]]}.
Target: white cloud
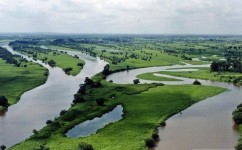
{"points": [[122, 16]]}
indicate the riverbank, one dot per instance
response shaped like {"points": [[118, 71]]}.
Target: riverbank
{"points": [[15, 80], [71, 65], [153, 104]]}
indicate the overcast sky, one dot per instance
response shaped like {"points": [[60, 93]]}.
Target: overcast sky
{"points": [[122, 16]]}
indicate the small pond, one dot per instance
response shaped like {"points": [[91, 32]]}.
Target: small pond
{"points": [[92, 126]]}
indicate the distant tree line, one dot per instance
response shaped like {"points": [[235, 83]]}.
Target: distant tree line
{"points": [[10, 58], [232, 63]]}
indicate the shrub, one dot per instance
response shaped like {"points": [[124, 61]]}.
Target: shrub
{"points": [[35, 131], [85, 146], [238, 146], [52, 63], [49, 121], [3, 147], [196, 82], [150, 143], [156, 136], [237, 115], [63, 112], [163, 124], [68, 70], [78, 99], [100, 102], [4, 101], [136, 81], [80, 64]]}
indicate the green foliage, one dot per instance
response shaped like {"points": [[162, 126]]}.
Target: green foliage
{"points": [[196, 82], [150, 143], [152, 77], [136, 81], [153, 104], [85, 146], [17, 80]]}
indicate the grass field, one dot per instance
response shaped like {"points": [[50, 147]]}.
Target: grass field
{"points": [[145, 106], [62, 60], [14, 81], [152, 77], [204, 73]]}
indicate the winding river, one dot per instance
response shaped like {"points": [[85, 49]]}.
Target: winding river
{"points": [[44, 102], [205, 125]]}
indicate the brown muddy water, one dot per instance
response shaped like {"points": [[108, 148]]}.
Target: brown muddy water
{"points": [[205, 125]]}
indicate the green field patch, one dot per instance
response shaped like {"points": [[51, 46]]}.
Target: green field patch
{"points": [[145, 106], [152, 77]]}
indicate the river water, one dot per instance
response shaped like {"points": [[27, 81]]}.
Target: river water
{"points": [[45, 102], [205, 125]]}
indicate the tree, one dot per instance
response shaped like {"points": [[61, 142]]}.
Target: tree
{"points": [[100, 101], [136, 81], [214, 66], [150, 143], [3, 147], [196, 82], [85, 146], [4, 101], [68, 70], [106, 70], [52, 63]]}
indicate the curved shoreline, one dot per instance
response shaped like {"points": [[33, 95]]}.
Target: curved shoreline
{"points": [[221, 113], [43, 102]]}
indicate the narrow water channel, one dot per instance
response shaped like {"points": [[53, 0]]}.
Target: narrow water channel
{"points": [[205, 125], [44, 102]]}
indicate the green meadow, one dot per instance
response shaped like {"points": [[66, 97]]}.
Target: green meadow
{"points": [[14, 81], [145, 107]]}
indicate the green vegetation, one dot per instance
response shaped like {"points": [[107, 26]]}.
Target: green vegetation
{"points": [[204, 73], [237, 117], [15, 80], [70, 64], [152, 77], [146, 106], [153, 104]]}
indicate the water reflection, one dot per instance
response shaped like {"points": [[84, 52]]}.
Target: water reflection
{"points": [[92, 126]]}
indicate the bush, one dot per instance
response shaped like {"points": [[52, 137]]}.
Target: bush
{"points": [[85, 146], [4, 101], [238, 146], [80, 64], [100, 102], [68, 70], [3, 147], [156, 136], [49, 121], [35, 131], [78, 99], [237, 116], [136, 81], [63, 112], [196, 82], [163, 124], [150, 143]]}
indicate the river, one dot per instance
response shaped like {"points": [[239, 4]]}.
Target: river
{"points": [[205, 125], [45, 102]]}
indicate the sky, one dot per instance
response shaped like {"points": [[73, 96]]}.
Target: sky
{"points": [[122, 16]]}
